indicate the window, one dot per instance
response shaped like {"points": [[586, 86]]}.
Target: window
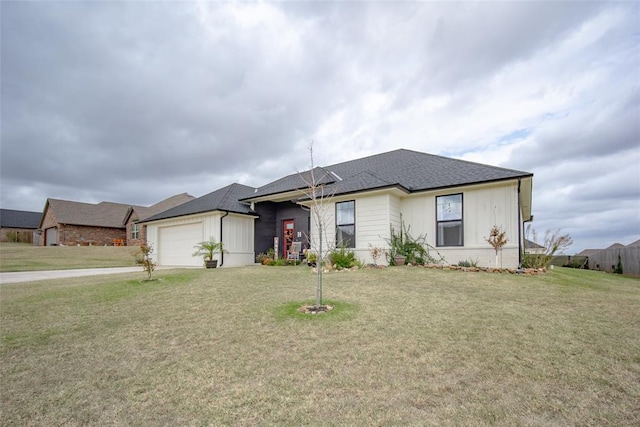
{"points": [[449, 220], [134, 231], [346, 224]]}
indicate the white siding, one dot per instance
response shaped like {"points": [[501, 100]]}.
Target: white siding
{"points": [[374, 215], [238, 238], [237, 232], [483, 206]]}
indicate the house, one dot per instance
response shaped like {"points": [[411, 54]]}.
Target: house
{"points": [[607, 259], [66, 222], [453, 203], [219, 215], [532, 247], [18, 226], [137, 233]]}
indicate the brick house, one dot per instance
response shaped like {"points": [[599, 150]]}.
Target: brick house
{"points": [[70, 223], [136, 234]]}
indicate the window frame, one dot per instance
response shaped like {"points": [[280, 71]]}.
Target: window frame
{"points": [[450, 221], [135, 231], [339, 226]]}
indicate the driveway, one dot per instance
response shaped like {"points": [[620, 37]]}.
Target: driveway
{"points": [[31, 276]]}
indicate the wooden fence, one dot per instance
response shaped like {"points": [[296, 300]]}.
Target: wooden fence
{"points": [[607, 260]]}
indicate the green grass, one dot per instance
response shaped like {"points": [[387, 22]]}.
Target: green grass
{"points": [[26, 257], [406, 346]]}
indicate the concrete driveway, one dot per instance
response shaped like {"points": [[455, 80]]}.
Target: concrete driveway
{"points": [[31, 276]]}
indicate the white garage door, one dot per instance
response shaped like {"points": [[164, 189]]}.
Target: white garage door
{"points": [[51, 236], [176, 244]]}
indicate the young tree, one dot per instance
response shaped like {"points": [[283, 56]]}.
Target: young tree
{"points": [[147, 262], [318, 197], [497, 239]]}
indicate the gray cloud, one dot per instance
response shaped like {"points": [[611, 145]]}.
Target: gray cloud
{"points": [[136, 101]]}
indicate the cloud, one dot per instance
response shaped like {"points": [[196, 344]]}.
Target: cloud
{"points": [[136, 101]]}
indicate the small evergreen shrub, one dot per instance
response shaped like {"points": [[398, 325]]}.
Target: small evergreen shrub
{"points": [[343, 258]]}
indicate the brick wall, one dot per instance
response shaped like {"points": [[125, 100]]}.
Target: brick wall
{"points": [[72, 235], [142, 233], [48, 221]]}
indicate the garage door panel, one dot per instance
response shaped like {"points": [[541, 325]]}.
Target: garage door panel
{"points": [[176, 244]]}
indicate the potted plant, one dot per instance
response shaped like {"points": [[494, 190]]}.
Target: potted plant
{"points": [[207, 250]]}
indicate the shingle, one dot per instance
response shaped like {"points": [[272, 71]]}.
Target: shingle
{"points": [[162, 206], [103, 214], [224, 199], [411, 170], [10, 218]]}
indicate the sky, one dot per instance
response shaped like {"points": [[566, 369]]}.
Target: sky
{"points": [[135, 101]]}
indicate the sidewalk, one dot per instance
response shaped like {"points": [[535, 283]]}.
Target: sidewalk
{"points": [[31, 276]]}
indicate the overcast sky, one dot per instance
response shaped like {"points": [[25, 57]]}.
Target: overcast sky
{"points": [[133, 102]]}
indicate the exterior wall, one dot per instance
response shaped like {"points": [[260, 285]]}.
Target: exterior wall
{"points": [[265, 226], [48, 221], [238, 236], [483, 207], [238, 240], [142, 232], [73, 235], [286, 211], [374, 215]]}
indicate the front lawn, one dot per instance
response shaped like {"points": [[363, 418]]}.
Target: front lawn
{"points": [[26, 257], [405, 346]]}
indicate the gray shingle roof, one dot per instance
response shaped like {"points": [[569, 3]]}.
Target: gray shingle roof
{"points": [[103, 214], [166, 204], [10, 218], [224, 199], [410, 170]]}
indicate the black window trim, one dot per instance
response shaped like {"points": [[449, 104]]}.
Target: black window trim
{"points": [[353, 244], [461, 221]]}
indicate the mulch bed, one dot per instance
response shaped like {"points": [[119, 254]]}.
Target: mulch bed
{"points": [[313, 309]]}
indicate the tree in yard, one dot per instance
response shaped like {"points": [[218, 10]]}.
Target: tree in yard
{"points": [[554, 243], [147, 262], [318, 197], [497, 239]]}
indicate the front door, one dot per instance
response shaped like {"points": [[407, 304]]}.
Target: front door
{"points": [[288, 233]]}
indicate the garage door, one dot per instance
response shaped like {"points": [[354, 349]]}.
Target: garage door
{"points": [[51, 236], [176, 244]]}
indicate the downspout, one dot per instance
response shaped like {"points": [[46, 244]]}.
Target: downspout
{"points": [[520, 225], [222, 251]]}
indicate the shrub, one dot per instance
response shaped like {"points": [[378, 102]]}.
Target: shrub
{"points": [[415, 250], [618, 269], [468, 263], [343, 258], [553, 243]]}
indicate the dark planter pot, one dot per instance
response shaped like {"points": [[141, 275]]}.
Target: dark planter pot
{"points": [[211, 264]]}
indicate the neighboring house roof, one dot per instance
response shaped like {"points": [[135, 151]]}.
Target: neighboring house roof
{"points": [[103, 214], [225, 199], [173, 201], [106, 214], [588, 252], [528, 244], [636, 243], [10, 218], [408, 170], [615, 245]]}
